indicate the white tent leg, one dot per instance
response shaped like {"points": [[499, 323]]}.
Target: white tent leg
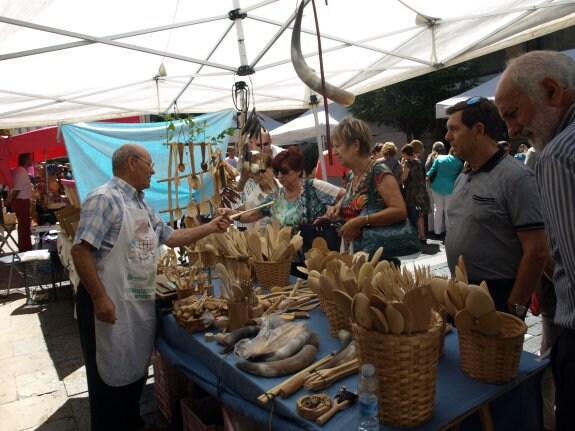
{"points": [[318, 135]]}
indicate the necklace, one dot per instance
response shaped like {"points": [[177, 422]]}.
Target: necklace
{"points": [[357, 179], [292, 194]]}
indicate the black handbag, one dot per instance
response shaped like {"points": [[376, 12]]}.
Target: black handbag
{"points": [[327, 231], [399, 239]]}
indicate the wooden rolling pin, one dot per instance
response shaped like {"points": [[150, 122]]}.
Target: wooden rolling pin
{"points": [[236, 215]]}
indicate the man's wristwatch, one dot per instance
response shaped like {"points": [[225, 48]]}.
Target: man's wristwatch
{"points": [[519, 310]]}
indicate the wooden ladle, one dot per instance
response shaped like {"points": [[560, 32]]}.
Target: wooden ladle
{"points": [[181, 166], [204, 165], [194, 180]]}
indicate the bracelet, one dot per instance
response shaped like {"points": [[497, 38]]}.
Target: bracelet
{"points": [[367, 220]]}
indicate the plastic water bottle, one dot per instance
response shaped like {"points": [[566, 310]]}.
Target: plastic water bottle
{"points": [[368, 399]]}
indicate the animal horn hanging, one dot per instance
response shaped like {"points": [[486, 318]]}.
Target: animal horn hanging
{"points": [[307, 74]]}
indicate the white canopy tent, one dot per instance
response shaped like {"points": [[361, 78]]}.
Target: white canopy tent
{"points": [[64, 61], [303, 128]]}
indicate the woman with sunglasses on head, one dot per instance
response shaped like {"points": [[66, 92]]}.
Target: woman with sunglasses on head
{"points": [[351, 141], [300, 200]]}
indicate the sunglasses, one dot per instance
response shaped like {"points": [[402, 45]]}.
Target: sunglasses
{"points": [[149, 162], [261, 172], [283, 171], [262, 144]]}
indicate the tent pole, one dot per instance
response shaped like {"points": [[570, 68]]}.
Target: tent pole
{"points": [[319, 142]]}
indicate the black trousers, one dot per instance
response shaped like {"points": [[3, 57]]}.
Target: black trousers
{"points": [[111, 407], [563, 367]]}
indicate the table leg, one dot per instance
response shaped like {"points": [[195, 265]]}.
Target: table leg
{"points": [[485, 415]]}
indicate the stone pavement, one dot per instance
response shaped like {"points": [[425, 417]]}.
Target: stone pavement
{"points": [[42, 377]]}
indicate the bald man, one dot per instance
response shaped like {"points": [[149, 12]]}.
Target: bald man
{"points": [[115, 253]]}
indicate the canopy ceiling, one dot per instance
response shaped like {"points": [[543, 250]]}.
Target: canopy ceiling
{"points": [[69, 60], [486, 89]]}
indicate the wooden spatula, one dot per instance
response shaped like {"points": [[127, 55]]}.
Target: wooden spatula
{"points": [[419, 302]]}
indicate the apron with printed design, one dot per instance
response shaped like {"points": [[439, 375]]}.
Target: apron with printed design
{"points": [[128, 274]]}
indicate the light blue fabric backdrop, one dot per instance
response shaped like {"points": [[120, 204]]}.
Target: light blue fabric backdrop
{"points": [[90, 147]]}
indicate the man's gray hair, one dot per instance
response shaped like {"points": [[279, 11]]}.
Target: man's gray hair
{"points": [[527, 71], [120, 157]]}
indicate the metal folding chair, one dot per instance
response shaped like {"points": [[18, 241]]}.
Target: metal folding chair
{"points": [[36, 268]]}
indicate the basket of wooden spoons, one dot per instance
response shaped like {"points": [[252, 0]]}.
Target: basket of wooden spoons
{"points": [[405, 364], [490, 342]]}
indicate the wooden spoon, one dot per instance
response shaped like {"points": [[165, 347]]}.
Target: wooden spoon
{"points": [[194, 181], [204, 165], [361, 311], [378, 302], [479, 303], [438, 287], [406, 314], [394, 319], [181, 166], [455, 294], [320, 243], [465, 321], [379, 321], [255, 246], [376, 256], [343, 302]]}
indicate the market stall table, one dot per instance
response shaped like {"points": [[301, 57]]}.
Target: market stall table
{"points": [[513, 406]]}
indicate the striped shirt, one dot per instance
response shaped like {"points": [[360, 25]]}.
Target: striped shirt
{"points": [[555, 172], [103, 214]]}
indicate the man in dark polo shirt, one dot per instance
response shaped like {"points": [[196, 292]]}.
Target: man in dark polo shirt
{"points": [[495, 218]]}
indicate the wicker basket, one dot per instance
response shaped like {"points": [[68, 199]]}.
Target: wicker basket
{"points": [[493, 359], [336, 319], [202, 414], [272, 274], [169, 385], [406, 368], [208, 258]]}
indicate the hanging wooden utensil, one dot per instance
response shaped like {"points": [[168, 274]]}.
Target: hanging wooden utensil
{"points": [[170, 185], [181, 166], [204, 165], [194, 179]]}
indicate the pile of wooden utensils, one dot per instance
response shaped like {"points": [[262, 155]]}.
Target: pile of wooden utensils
{"points": [[374, 294], [170, 273], [470, 305], [273, 244], [191, 311]]}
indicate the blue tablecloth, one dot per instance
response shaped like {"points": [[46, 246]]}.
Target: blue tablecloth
{"points": [[514, 406]]}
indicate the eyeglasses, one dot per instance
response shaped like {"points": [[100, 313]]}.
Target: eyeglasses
{"points": [[262, 144], [475, 100], [149, 162], [283, 171]]}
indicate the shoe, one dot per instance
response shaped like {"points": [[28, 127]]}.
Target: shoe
{"points": [[423, 240]]}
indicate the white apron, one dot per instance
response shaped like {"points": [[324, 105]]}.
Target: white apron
{"points": [[128, 273]]}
